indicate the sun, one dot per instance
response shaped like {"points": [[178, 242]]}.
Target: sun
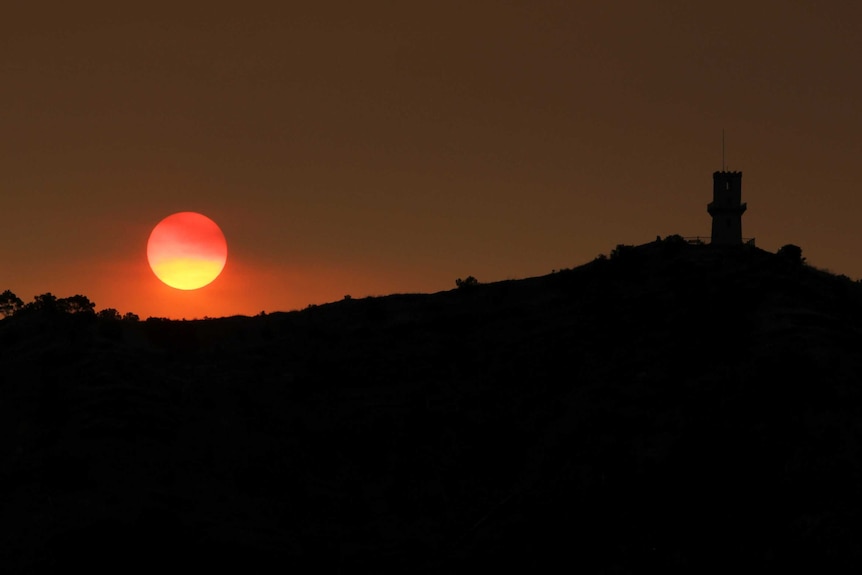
{"points": [[187, 250]]}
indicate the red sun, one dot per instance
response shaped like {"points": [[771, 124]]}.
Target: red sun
{"points": [[187, 250]]}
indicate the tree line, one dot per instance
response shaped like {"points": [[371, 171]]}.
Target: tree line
{"points": [[11, 304]]}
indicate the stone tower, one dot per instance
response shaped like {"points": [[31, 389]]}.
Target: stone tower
{"points": [[726, 208]]}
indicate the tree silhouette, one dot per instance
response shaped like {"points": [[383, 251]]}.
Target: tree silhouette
{"points": [[49, 303], [9, 304], [76, 304], [46, 302], [109, 314]]}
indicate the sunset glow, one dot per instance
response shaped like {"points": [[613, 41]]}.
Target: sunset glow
{"points": [[417, 145], [187, 250]]}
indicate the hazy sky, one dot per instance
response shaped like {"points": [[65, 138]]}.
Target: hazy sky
{"points": [[369, 148]]}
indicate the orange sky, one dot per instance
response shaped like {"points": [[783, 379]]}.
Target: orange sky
{"points": [[380, 147]]}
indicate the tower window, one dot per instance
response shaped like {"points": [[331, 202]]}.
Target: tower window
{"points": [[727, 186]]}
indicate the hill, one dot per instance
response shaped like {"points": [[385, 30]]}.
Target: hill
{"points": [[673, 407]]}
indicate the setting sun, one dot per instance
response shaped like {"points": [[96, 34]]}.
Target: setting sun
{"points": [[187, 250]]}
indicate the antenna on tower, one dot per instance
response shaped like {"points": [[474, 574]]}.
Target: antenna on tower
{"points": [[723, 164]]}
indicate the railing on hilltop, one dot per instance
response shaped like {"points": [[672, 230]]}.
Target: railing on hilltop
{"points": [[702, 240]]}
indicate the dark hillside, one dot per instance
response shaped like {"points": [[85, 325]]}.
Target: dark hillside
{"points": [[674, 407]]}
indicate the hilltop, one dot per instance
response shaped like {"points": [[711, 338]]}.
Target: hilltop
{"points": [[673, 407]]}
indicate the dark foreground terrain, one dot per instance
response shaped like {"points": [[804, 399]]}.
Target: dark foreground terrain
{"points": [[673, 408]]}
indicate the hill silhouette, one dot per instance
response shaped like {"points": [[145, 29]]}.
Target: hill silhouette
{"points": [[674, 407]]}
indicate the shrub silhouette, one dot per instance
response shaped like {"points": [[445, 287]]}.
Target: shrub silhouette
{"points": [[622, 251], [792, 253], [469, 282], [675, 239]]}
